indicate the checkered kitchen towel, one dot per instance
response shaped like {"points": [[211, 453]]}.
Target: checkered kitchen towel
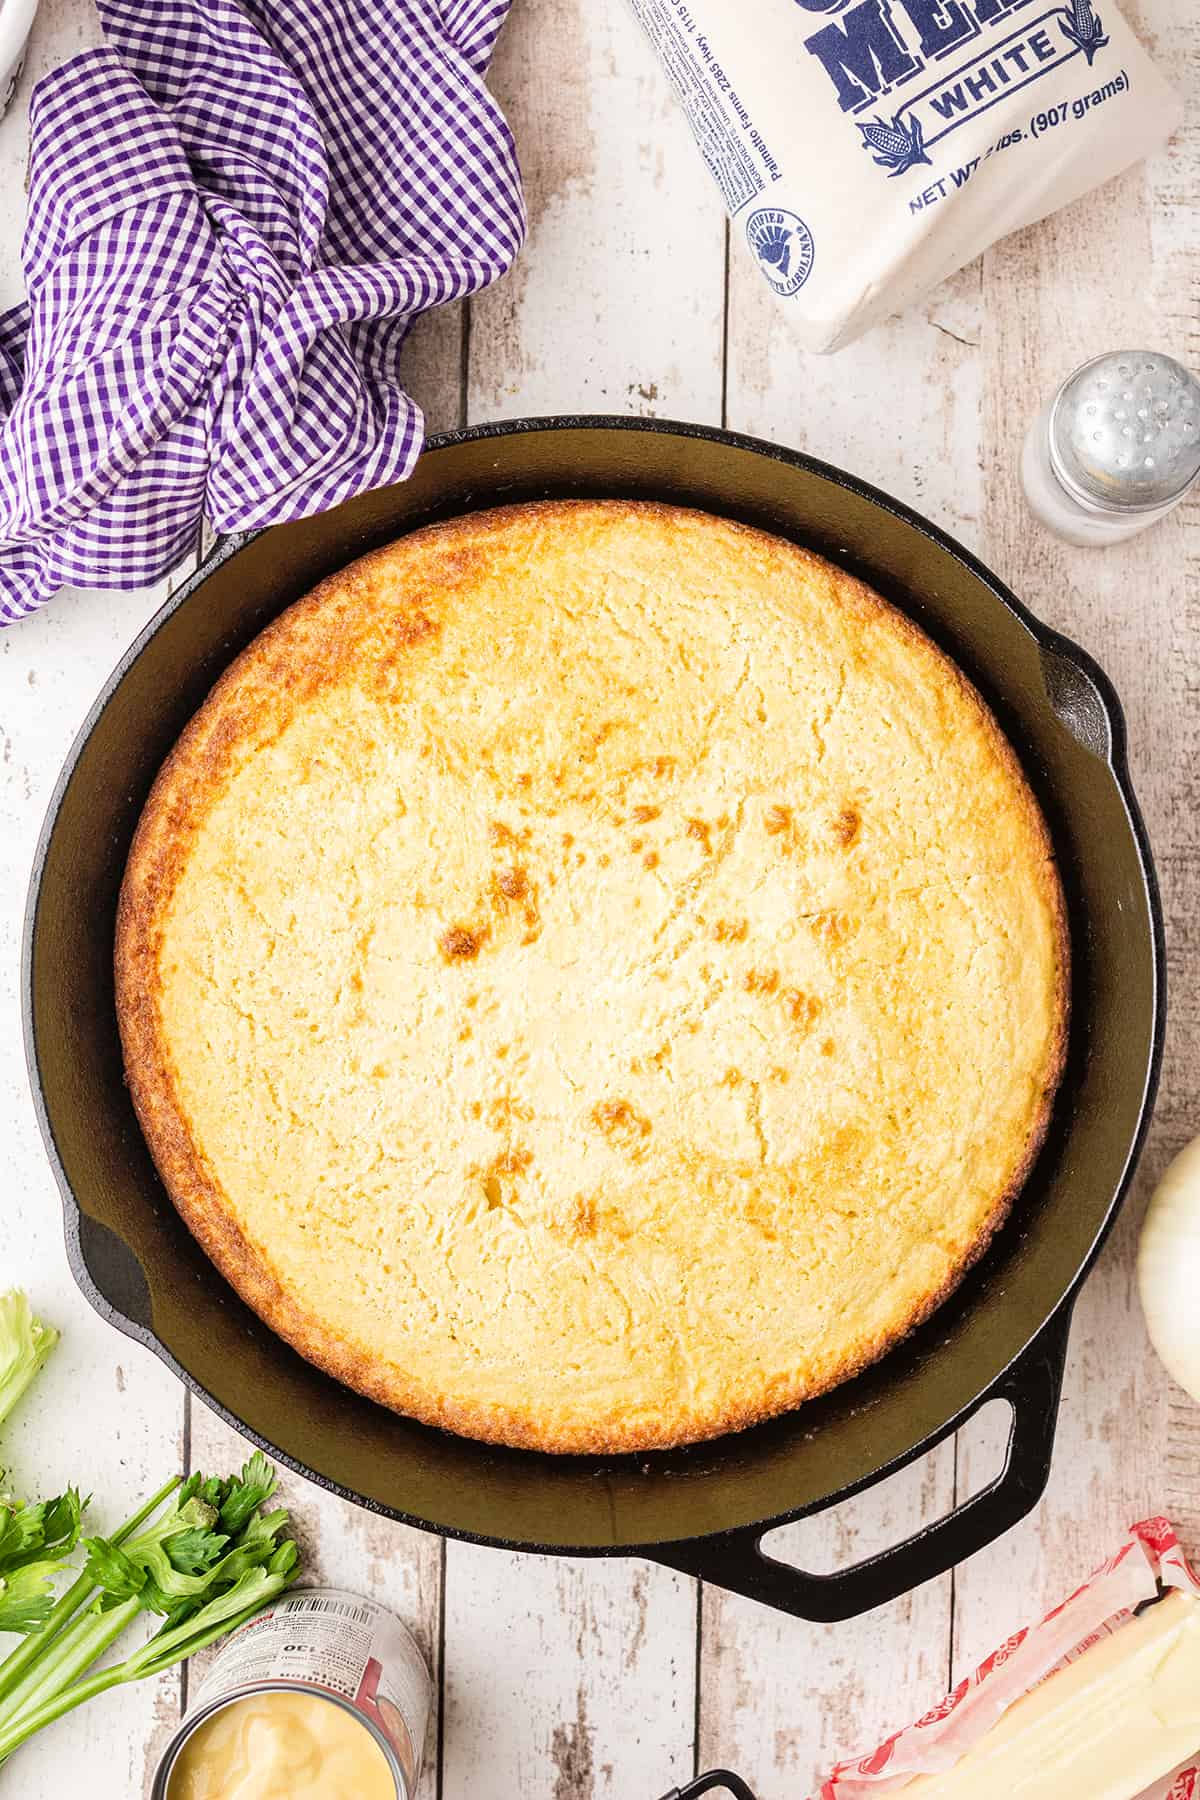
{"points": [[234, 212]]}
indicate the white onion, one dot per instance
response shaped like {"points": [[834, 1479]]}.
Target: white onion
{"points": [[1169, 1269]]}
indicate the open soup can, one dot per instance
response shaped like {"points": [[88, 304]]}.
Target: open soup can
{"points": [[324, 1691]]}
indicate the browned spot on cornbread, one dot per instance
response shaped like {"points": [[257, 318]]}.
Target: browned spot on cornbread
{"points": [[599, 738], [586, 1217], [461, 943], [730, 931], [513, 1161], [831, 927], [504, 1108], [761, 981], [802, 1008], [514, 896], [502, 835], [847, 826], [415, 627], [583, 1216], [621, 1123], [762, 1216]]}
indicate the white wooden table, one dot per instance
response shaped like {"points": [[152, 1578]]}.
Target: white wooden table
{"points": [[564, 1680]]}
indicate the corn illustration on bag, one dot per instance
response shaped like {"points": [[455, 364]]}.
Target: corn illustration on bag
{"points": [[866, 149]]}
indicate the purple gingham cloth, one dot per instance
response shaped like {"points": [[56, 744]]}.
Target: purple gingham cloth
{"points": [[234, 213]]}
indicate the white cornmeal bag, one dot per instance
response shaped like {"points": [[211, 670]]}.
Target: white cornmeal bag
{"points": [[866, 149]]}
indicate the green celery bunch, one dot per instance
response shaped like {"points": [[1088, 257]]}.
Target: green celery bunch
{"points": [[201, 1554], [25, 1343], [36, 1537]]}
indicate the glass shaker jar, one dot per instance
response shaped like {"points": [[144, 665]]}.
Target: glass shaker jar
{"points": [[1116, 448]]}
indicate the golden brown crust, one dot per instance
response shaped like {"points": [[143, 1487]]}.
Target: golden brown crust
{"points": [[308, 650]]}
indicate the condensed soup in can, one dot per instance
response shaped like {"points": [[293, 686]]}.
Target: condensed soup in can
{"points": [[323, 1696]]}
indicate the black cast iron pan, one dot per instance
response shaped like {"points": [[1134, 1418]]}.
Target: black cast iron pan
{"points": [[703, 1509]]}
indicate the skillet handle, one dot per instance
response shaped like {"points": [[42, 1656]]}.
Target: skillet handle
{"points": [[1031, 1385], [715, 1778]]}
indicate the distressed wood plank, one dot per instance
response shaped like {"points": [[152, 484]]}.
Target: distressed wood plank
{"points": [[432, 365], [576, 1679], [565, 1678], [1175, 820], [342, 1544], [1127, 1442], [615, 304], [105, 1414], [899, 408], [780, 1699], [61, 29], [50, 669], [346, 1546]]}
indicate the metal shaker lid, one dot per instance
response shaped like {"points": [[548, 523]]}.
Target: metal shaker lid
{"points": [[1125, 430]]}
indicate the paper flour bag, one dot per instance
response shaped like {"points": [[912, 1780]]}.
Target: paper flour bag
{"points": [[866, 149]]}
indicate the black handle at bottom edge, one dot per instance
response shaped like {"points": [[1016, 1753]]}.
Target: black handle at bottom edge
{"points": [[704, 1784], [1031, 1385]]}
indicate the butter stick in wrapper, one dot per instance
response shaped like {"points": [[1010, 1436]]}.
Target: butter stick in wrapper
{"points": [[1101, 1700], [1118, 1718]]}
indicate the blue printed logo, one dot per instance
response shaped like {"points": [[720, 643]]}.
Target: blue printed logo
{"points": [[783, 245], [939, 64], [897, 147], [1084, 29]]}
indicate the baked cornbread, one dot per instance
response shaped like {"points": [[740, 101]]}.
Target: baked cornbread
{"points": [[592, 976]]}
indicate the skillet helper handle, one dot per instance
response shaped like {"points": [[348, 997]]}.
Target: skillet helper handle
{"points": [[704, 1784], [1032, 1384]]}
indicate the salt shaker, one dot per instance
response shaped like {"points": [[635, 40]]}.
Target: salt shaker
{"points": [[1116, 448]]}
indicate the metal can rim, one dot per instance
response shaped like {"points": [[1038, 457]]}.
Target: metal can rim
{"points": [[191, 1723]]}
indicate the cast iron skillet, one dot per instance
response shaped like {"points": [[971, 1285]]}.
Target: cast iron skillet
{"points": [[703, 1509]]}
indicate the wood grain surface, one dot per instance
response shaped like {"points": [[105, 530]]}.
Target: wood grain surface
{"points": [[583, 1680]]}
